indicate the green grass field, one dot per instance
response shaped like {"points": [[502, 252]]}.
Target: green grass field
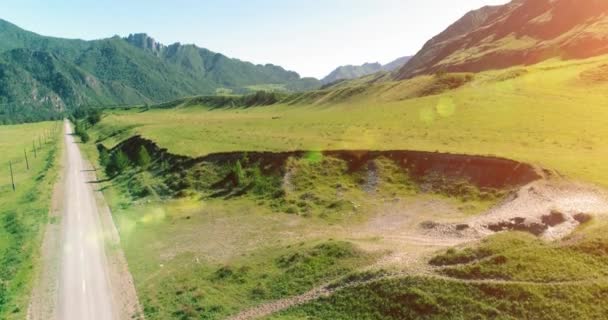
{"points": [[24, 212], [557, 280], [428, 298], [552, 114]]}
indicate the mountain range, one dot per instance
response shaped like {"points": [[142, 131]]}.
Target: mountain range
{"points": [[42, 76], [518, 33], [352, 72]]}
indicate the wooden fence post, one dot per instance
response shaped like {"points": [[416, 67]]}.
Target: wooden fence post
{"points": [[27, 162], [10, 165]]}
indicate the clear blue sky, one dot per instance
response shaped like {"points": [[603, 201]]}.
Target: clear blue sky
{"points": [[311, 37]]}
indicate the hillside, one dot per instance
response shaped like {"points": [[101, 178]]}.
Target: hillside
{"points": [[352, 72], [521, 32], [42, 76]]}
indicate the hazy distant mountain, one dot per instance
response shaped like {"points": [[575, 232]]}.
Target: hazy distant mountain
{"points": [[41, 76], [520, 32], [352, 72], [396, 64]]}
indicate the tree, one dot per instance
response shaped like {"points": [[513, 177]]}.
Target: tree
{"points": [[84, 137], [94, 116], [119, 162], [143, 158], [81, 131], [239, 173], [104, 157]]}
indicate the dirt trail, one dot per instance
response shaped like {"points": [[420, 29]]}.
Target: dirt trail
{"points": [[531, 203], [92, 278], [327, 290]]}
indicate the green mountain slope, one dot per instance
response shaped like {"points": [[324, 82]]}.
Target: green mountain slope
{"points": [[43, 76]]}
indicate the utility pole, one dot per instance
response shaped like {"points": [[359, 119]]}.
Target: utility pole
{"points": [[10, 165], [27, 162]]}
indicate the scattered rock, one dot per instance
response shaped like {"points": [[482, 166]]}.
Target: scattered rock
{"points": [[582, 217], [519, 224], [553, 219], [461, 227], [429, 225]]}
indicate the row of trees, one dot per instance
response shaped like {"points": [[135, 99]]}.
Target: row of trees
{"points": [[83, 119], [117, 162]]}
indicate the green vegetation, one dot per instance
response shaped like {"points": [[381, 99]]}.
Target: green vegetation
{"points": [[307, 184], [215, 291], [522, 257], [487, 115], [119, 162], [428, 298], [40, 75], [237, 197], [81, 131], [560, 280], [143, 157], [24, 212]]}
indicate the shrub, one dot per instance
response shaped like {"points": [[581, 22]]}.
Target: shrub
{"points": [[81, 131], [104, 157], [143, 158], [119, 162], [239, 174], [84, 137], [94, 116]]}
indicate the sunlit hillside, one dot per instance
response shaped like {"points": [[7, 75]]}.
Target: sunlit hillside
{"points": [[552, 114]]}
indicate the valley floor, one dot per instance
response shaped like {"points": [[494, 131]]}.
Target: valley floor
{"points": [[220, 235]]}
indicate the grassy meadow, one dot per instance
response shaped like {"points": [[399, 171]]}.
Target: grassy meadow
{"points": [[506, 276], [552, 114], [24, 212], [198, 255]]}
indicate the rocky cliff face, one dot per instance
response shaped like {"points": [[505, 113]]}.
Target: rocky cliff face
{"points": [[143, 41]]}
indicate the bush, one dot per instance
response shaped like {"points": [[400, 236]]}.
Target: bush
{"points": [[84, 137], [104, 157], [262, 185], [81, 131], [94, 116], [143, 158], [119, 162], [239, 174]]}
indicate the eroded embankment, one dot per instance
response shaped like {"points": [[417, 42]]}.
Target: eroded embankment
{"points": [[427, 169]]}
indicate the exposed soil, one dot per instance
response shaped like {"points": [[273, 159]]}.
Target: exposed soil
{"points": [[407, 230], [423, 167], [550, 209], [551, 205]]}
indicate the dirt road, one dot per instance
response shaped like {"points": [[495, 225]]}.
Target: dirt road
{"points": [[84, 281]]}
